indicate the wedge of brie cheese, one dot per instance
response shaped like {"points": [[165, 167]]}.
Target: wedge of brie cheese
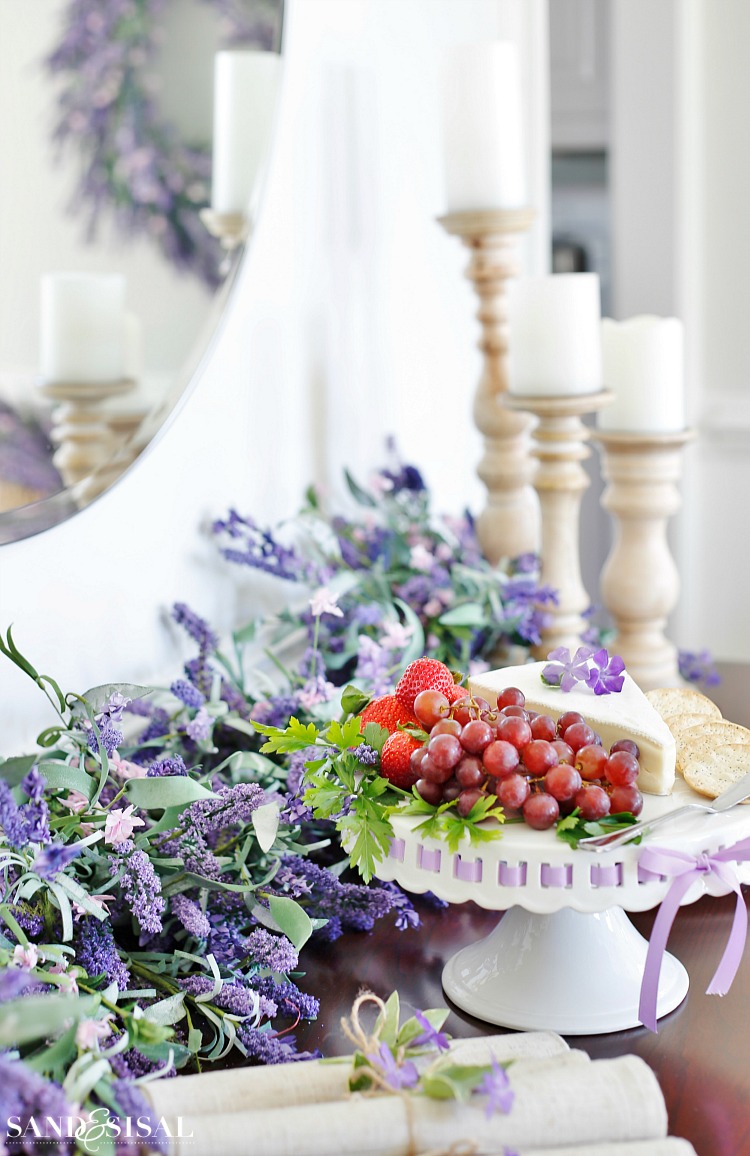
{"points": [[625, 715]]}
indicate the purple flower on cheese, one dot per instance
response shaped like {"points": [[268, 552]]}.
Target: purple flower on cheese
{"points": [[563, 671], [606, 675]]}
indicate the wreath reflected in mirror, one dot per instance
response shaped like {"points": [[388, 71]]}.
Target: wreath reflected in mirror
{"points": [[134, 164]]}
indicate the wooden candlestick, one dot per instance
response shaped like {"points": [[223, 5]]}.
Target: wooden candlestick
{"points": [[560, 447], [640, 584], [509, 525], [86, 437]]}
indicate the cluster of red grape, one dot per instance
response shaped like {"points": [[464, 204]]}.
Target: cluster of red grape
{"points": [[537, 767]]}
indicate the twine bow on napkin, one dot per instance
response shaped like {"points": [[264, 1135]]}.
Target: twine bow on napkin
{"points": [[684, 870]]}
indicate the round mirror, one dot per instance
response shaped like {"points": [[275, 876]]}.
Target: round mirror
{"points": [[115, 259]]}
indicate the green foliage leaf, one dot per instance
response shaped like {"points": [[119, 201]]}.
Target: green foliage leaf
{"points": [[467, 614], [572, 828], [62, 777], [361, 496], [343, 736], [375, 736], [166, 1011], [36, 1017], [98, 696], [367, 835], [15, 769], [386, 1025], [291, 919], [170, 791], [436, 1017], [354, 700], [454, 1081], [295, 737]]}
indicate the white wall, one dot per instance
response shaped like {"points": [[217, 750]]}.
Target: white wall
{"points": [[352, 320], [681, 218]]}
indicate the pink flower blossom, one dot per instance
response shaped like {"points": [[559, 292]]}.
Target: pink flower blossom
{"points": [[420, 558], [90, 1032], [75, 802], [324, 602], [120, 825], [26, 957], [396, 636], [124, 769]]}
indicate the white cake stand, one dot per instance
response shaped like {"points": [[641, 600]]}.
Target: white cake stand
{"points": [[564, 957]]}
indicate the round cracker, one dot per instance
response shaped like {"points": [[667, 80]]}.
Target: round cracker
{"points": [[671, 700], [699, 741], [679, 723], [718, 769]]}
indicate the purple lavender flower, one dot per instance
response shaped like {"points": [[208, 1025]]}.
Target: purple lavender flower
{"points": [[192, 918], [13, 980], [106, 732], [430, 1036], [267, 1048], [54, 858], [606, 675], [140, 886], [259, 549], [564, 671], [96, 951], [365, 754], [199, 728], [34, 784], [233, 808], [288, 998], [272, 951], [397, 1076], [196, 627], [187, 693], [374, 665], [698, 666], [21, 825], [496, 1086], [133, 1105], [164, 768], [276, 711], [26, 1095]]}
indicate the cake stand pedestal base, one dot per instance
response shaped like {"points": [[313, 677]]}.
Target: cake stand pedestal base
{"points": [[570, 972]]}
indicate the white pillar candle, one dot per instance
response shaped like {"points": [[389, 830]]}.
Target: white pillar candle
{"points": [[482, 127], [555, 335], [82, 329], [643, 365], [245, 90]]}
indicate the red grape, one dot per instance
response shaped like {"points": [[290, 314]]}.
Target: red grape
{"points": [[476, 735], [579, 735], [470, 772], [543, 727], [541, 811], [451, 791], [513, 792], [430, 706], [566, 754], [416, 759], [566, 720], [466, 801], [514, 712], [500, 759], [538, 756], [445, 751], [590, 761], [430, 791], [621, 769], [626, 799], [515, 731], [626, 745], [447, 726], [430, 770], [511, 696], [593, 802], [468, 707], [562, 782]]}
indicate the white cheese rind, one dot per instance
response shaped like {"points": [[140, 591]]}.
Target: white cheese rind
{"points": [[626, 715]]}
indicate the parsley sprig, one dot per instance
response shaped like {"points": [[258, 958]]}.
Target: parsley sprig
{"points": [[573, 828], [444, 822]]}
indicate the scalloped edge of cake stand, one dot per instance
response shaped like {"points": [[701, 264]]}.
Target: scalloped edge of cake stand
{"points": [[576, 973]]}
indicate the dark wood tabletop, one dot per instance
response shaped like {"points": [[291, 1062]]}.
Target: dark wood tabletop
{"points": [[701, 1053]]}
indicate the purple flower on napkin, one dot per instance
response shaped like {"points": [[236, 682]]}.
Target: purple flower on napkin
{"points": [[430, 1035], [563, 671], [397, 1076], [606, 675], [496, 1087]]}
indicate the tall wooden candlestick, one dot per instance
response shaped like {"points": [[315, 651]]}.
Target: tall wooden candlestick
{"points": [[640, 584], [509, 525], [560, 447]]}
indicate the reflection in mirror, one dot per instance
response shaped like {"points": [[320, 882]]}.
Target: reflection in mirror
{"points": [[114, 253]]}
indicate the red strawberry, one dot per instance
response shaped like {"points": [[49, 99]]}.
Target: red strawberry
{"points": [[456, 693], [394, 759], [424, 674], [387, 712]]}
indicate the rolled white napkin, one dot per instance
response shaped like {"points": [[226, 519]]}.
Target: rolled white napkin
{"points": [[669, 1146], [556, 1103], [316, 1081]]}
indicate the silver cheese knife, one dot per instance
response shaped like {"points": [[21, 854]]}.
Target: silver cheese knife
{"points": [[733, 795]]}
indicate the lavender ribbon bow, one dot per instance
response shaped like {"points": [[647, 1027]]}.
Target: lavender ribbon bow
{"points": [[684, 870]]}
